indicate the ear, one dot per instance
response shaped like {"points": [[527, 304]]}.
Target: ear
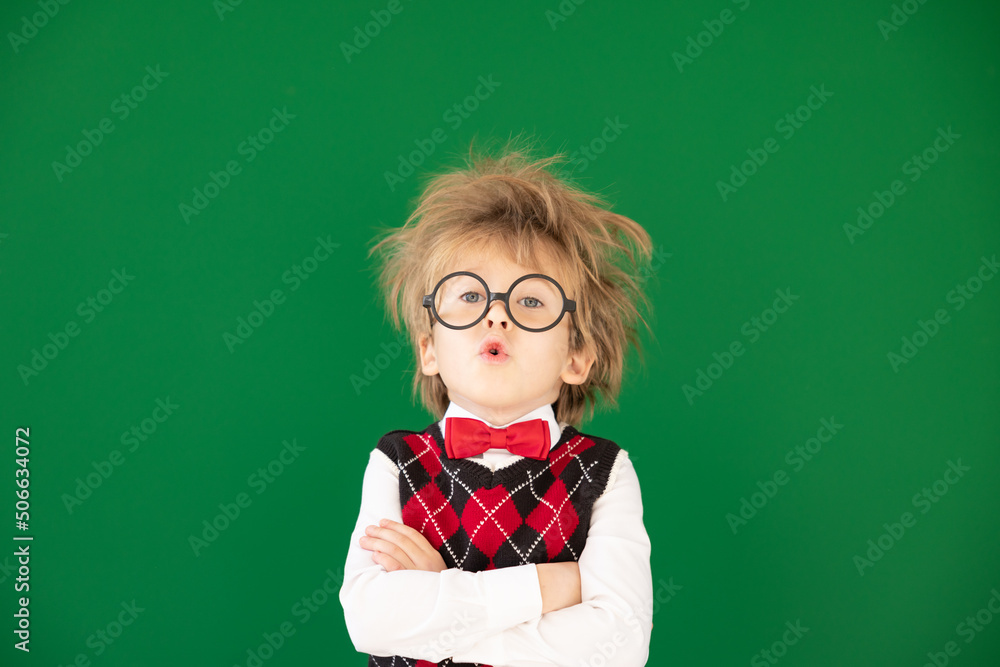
{"points": [[428, 359], [577, 367]]}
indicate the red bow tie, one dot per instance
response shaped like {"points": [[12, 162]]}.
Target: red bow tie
{"points": [[466, 437]]}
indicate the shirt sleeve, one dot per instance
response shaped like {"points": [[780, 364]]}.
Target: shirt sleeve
{"points": [[614, 620], [419, 614]]}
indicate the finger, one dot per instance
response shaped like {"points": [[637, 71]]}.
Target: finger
{"points": [[414, 535], [388, 562], [389, 548], [391, 533], [425, 556]]}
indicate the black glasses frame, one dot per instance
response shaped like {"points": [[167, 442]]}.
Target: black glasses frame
{"points": [[569, 305]]}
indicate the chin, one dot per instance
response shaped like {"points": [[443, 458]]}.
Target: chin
{"points": [[494, 400]]}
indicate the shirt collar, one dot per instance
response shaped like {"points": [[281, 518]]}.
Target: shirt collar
{"points": [[544, 412]]}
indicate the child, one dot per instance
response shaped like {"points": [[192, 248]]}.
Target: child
{"points": [[500, 534]]}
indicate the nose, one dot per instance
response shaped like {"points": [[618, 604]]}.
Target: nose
{"points": [[497, 315]]}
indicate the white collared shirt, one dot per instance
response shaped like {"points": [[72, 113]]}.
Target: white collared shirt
{"points": [[495, 617]]}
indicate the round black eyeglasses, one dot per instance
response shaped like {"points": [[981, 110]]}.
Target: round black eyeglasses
{"points": [[534, 302]]}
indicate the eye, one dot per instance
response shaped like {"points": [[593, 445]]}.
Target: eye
{"points": [[475, 294], [532, 299]]}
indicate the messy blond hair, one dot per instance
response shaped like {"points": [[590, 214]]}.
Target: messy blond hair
{"points": [[513, 206]]}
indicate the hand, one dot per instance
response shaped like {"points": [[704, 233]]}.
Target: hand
{"points": [[396, 546]]}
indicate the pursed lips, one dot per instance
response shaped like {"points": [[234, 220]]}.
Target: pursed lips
{"points": [[493, 345], [493, 350]]}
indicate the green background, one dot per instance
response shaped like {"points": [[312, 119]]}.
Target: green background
{"points": [[324, 176]]}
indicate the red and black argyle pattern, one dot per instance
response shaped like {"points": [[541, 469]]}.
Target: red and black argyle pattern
{"points": [[530, 511]]}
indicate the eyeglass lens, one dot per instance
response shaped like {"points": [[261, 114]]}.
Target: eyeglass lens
{"points": [[535, 303]]}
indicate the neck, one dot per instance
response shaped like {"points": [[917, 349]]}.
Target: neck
{"points": [[497, 416]]}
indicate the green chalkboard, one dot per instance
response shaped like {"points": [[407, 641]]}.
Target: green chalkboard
{"points": [[189, 191]]}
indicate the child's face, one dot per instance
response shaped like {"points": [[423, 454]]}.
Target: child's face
{"points": [[537, 365]]}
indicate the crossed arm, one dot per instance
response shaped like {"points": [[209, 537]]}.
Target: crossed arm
{"points": [[400, 599], [396, 546]]}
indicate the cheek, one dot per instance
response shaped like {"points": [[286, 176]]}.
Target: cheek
{"points": [[454, 354], [547, 359], [558, 343]]}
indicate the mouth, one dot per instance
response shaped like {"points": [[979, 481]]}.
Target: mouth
{"points": [[493, 351]]}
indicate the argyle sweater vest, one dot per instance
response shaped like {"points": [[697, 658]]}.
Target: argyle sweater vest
{"points": [[530, 511]]}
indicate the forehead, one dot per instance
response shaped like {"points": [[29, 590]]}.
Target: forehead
{"points": [[499, 270]]}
